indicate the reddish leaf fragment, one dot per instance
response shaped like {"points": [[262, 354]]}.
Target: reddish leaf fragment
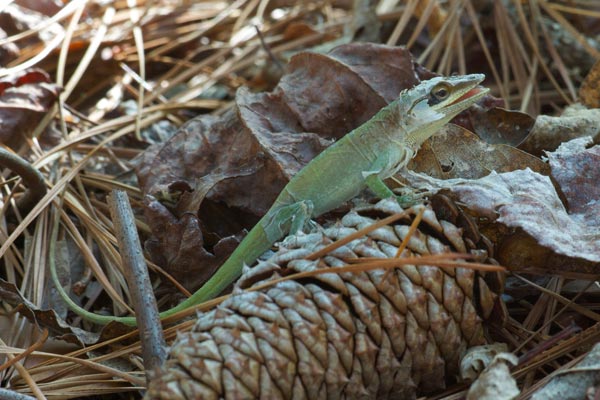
{"points": [[32, 76], [24, 98], [29, 76]]}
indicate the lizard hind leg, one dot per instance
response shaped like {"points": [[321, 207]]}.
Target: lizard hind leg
{"points": [[288, 219]]}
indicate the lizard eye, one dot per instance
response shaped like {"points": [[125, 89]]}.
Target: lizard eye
{"points": [[440, 92]]}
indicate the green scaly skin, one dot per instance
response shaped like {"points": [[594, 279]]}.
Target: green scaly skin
{"points": [[363, 158]]}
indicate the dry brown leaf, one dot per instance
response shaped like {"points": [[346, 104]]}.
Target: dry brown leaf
{"points": [[500, 126], [178, 245], [58, 328], [547, 238], [577, 172], [549, 132], [458, 153], [496, 382], [24, 98]]}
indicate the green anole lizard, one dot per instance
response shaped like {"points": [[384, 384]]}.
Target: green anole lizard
{"points": [[363, 158]]}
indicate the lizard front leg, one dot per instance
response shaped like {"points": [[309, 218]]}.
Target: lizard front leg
{"points": [[381, 190], [375, 183], [288, 219]]}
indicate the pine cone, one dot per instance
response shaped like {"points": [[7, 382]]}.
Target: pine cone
{"points": [[377, 334]]}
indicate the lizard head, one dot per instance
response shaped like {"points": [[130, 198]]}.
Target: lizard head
{"points": [[434, 102]]}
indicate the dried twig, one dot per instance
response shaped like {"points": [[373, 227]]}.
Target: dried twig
{"points": [[136, 272]]}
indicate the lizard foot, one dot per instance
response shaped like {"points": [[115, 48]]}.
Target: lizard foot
{"points": [[410, 197]]}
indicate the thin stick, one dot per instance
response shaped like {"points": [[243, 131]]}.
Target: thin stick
{"points": [[136, 273], [268, 49]]}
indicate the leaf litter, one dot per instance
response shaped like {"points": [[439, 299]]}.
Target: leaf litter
{"points": [[281, 131]]}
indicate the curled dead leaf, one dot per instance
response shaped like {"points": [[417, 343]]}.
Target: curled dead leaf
{"points": [[178, 245], [478, 358], [575, 170], [455, 152], [45, 318], [541, 234], [549, 132], [24, 98], [500, 126], [496, 381]]}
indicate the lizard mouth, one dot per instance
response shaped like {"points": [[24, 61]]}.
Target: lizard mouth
{"points": [[475, 92]]}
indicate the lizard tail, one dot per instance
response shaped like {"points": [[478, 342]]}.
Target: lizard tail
{"points": [[253, 246]]}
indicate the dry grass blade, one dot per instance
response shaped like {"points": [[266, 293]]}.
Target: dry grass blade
{"points": [[31, 349], [444, 261], [525, 25], [481, 38], [403, 21], [581, 39], [411, 231], [25, 375], [112, 372]]}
